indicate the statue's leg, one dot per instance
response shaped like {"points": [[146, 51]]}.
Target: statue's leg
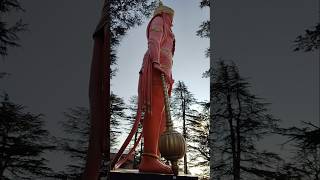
{"points": [[151, 127]]}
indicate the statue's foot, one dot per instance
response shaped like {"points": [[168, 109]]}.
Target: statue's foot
{"points": [[151, 163]]}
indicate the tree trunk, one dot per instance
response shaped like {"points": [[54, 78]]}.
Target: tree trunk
{"points": [[211, 139], [233, 140], [135, 154], [2, 161], [184, 135], [238, 150], [238, 140]]}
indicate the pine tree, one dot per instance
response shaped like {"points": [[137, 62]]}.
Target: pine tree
{"points": [[76, 128], [239, 120], [305, 141], [310, 41], [195, 127], [204, 28], [204, 32], [181, 102], [9, 34], [199, 139], [23, 141]]}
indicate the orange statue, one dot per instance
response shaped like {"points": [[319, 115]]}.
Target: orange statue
{"points": [[157, 60]]}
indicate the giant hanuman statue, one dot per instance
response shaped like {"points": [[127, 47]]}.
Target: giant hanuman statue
{"points": [[151, 105]]}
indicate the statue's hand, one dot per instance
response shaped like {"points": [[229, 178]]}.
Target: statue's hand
{"points": [[157, 66]]}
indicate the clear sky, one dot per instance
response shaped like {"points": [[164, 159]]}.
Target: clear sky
{"points": [[50, 72]]}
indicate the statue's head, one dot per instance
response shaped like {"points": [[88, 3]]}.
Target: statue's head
{"points": [[163, 9]]}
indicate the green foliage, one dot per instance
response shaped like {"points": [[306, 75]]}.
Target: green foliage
{"points": [[310, 41], [181, 102], [205, 3], [239, 120], [75, 143], [306, 137], [23, 140], [77, 126], [204, 28], [199, 146], [306, 159], [9, 33], [194, 117], [182, 99]]}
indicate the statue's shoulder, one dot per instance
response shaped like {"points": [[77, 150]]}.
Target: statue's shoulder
{"points": [[156, 24], [158, 20]]}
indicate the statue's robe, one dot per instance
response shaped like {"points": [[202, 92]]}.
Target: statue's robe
{"points": [[158, 57]]}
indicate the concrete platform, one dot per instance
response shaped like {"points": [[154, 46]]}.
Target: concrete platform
{"points": [[126, 174]]}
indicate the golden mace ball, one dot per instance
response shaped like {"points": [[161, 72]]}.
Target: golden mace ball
{"points": [[172, 147]]}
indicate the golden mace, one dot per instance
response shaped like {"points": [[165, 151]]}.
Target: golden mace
{"points": [[171, 143]]}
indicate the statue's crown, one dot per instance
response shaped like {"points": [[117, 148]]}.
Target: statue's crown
{"points": [[163, 9]]}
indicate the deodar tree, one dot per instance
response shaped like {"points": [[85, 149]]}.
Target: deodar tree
{"points": [[23, 142], [239, 120]]}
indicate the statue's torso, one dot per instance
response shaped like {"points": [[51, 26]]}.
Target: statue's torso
{"points": [[160, 43]]}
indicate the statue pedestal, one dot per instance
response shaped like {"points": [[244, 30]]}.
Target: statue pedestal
{"points": [[125, 174]]}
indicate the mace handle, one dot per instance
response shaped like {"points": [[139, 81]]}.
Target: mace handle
{"points": [[169, 123]]}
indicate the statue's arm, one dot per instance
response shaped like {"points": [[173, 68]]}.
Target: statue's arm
{"points": [[154, 39]]}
